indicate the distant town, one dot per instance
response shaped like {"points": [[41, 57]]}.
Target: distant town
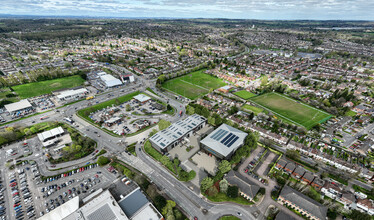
{"points": [[178, 119]]}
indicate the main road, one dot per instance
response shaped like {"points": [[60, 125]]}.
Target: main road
{"points": [[191, 202]]}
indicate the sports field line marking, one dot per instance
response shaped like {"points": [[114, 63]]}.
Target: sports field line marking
{"points": [[194, 85], [302, 103]]}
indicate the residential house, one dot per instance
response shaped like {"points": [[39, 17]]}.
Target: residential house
{"points": [[298, 172], [331, 190], [366, 205], [318, 183], [347, 198], [290, 167], [281, 164], [308, 177]]}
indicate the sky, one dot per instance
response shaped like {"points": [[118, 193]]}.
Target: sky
{"points": [[237, 9]]}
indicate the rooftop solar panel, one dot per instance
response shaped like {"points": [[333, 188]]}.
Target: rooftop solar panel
{"points": [[232, 141], [227, 137], [221, 135], [217, 133]]}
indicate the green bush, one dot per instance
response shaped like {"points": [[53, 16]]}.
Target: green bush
{"points": [[102, 161], [232, 191]]}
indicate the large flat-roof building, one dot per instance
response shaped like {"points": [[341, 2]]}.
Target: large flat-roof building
{"points": [[50, 134], [109, 80], [223, 141], [20, 107], [170, 137], [72, 94]]}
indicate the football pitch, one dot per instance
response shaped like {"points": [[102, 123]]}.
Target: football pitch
{"points": [[44, 87], [193, 85], [291, 110], [244, 94]]}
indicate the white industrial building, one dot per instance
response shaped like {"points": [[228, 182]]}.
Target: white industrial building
{"points": [[223, 141], [18, 106], [109, 80], [170, 137], [142, 98], [72, 94]]}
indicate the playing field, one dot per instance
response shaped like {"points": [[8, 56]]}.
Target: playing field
{"points": [[44, 87], [193, 85], [244, 94], [291, 110], [253, 109]]}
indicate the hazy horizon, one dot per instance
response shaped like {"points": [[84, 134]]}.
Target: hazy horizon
{"points": [[234, 9]]}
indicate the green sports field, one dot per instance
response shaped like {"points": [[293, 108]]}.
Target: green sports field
{"points": [[44, 87], [193, 85], [244, 94], [253, 109], [291, 110]]}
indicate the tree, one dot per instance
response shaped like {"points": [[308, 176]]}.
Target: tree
{"points": [[128, 107], [223, 185], [190, 110], [293, 154], [163, 124], [232, 191], [102, 161], [206, 183], [224, 166], [212, 191]]}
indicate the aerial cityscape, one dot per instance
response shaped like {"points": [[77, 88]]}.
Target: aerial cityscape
{"points": [[186, 110]]}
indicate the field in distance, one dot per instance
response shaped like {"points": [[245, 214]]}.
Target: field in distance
{"points": [[44, 87], [244, 94], [193, 84], [291, 110]]}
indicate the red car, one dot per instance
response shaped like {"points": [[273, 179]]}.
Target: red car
{"points": [[246, 170], [17, 204], [13, 184], [16, 193]]}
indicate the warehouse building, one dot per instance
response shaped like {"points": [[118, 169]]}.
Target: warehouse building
{"points": [[20, 108], [72, 94], [165, 140], [141, 98], [109, 80], [223, 141]]}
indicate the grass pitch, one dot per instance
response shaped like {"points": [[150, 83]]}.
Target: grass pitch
{"points": [[44, 87], [193, 85], [291, 110], [244, 94]]}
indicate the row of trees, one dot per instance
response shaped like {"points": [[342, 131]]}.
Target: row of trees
{"points": [[43, 74]]}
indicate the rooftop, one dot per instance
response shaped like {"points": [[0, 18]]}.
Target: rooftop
{"points": [[245, 185], [142, 98], [304, 202], [133, 202], [176, 131], [224, 139], [22, 104], [51, 133]]}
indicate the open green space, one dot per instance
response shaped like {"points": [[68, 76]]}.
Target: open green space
{"points": [[253, 109], [222, 197], [44, 87], [229, 218], [117, 101], [291, 110], [194, 84], [350, 113], [244, 94]]}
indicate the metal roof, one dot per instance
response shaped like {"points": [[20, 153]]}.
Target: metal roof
{"points": [[51, 133], [63, 210], [18, 105], [142, 98], [71, 92], [176, 131], [133, 202], [224, 140], [110, 80]]}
